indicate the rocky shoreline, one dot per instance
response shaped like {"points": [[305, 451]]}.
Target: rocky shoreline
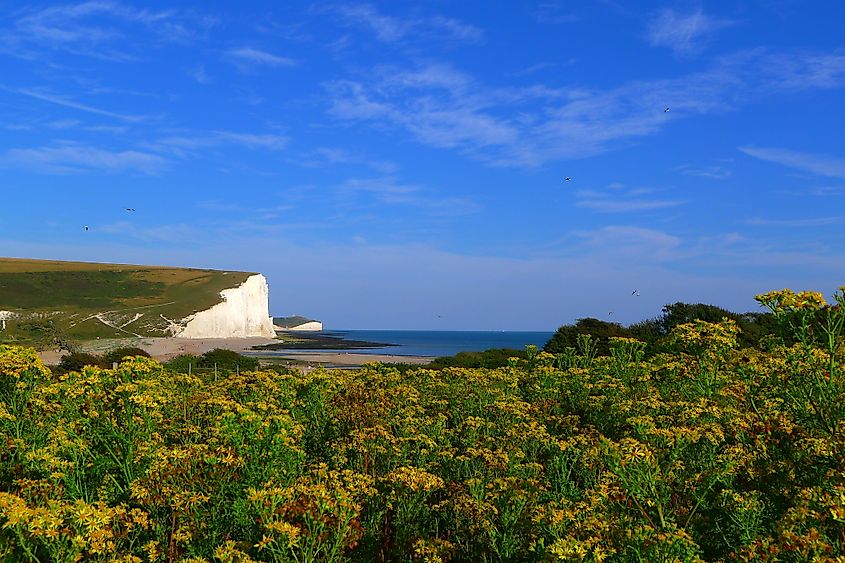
{"points": [[324, 341]]}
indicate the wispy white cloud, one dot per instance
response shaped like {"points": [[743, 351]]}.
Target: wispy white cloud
{"points": [[253, 140], [714, 171], [101, 29], [63, 124], [435, 103], [633, 242], [333, 155], [828, 191], [807, 222], [392, 29], [172, 233], [73, 157], [823, 165], [537, 67], [622, 200], [552, 12], [256, 57], [228, 207], [192, 142], [808, 71], [528, 126], [389, 190], [199, 74], [69, 103], [683, 33]]}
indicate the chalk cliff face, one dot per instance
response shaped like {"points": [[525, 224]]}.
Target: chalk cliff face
{"points": [[243, 312], [310, 326]]}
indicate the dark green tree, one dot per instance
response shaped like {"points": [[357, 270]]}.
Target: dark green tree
{"points": [[118, 354], [601, 331], [228, 360]]}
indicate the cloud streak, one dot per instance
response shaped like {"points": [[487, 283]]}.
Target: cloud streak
{"points": [[810, 222], [390, 29], [68, 103], [192, 143], [389, 190], [822, 165], [683, 33], [101, 29], [621, 201], [257, 57], [74, 158]]}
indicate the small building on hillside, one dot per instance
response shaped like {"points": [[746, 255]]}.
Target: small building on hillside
{"points": [[296, 323]]}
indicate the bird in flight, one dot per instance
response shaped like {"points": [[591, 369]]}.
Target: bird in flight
{"points": [[130, 209], [636, 292], [85, 227], [567, 178], [665, 109]]}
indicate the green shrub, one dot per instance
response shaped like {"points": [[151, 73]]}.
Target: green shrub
{"points": [[228, 360], [78, 360], [493, 358], [118, 354], [601, 331], [182, 362]]}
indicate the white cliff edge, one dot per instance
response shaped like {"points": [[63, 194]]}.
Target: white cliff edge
{"points": [[244, 312], [4, 316], [310, 326]]}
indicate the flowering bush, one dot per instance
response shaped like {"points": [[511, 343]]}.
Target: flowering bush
{"points": [[707, 454]]}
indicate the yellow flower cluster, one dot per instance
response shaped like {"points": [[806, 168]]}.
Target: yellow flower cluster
{"points": [[701, 335], [17, 360], [786, 300], [415, 479]]}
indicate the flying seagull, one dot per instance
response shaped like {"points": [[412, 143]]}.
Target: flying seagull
{"points": [[130, 209], [85, 227], [636, 292], [567, 178], [665, 109]]}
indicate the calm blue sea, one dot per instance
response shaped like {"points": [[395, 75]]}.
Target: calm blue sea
{"points": [[442, 342]]}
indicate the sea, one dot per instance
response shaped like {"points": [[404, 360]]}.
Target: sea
{"points": [[441, 342]]}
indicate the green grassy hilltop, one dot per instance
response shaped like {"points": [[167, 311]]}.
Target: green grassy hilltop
{"points": [[88, 300]]}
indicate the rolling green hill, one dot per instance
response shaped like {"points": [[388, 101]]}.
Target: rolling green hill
{"points": [[87, 300]]}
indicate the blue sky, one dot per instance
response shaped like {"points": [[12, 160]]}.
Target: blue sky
{"points": [[402, 165]]}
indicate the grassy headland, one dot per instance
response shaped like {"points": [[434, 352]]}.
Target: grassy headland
{"points": [[89, 300]]}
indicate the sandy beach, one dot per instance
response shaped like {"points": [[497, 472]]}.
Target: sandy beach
{"points": [[164, 349]]}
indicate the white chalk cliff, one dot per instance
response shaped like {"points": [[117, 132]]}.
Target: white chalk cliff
{"points": [[245, 311], [310, 326]]}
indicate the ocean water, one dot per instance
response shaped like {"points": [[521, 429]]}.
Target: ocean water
{"points": [[442, 342]]}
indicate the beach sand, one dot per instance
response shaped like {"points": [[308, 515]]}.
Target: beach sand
{"points": [[164, 349]]}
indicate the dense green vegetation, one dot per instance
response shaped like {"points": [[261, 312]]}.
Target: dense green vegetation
{"points": [[710, 453], [493, 358], [219, 359], [754, 328], [78, 360]]}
